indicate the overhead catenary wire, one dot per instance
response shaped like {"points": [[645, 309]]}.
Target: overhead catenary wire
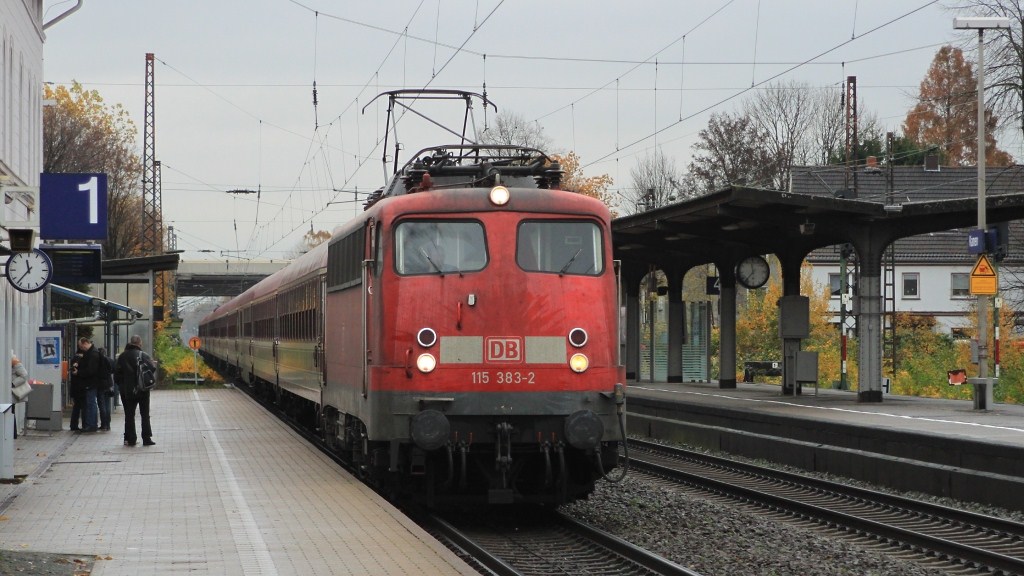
{"points": [[765, 81], [438, 72], [404, 36], [638, 64]]}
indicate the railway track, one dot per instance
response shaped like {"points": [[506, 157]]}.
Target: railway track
{"points": [[543, 542], [934, 535], [538, 541]]}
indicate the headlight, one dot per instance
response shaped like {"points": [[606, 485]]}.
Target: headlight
{"points": [[499, 195], [426, 363], [426, 337], [579, 363], [577, 337]]}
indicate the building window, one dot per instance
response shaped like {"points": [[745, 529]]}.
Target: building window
{"points": [[911, 284], [834, 287], [960, 285]]}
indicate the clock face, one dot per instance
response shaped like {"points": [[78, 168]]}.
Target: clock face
{"points": [[752, 272], [29, 271]]}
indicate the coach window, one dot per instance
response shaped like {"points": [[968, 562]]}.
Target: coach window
{"points": [[439, 247], [560, 247]]}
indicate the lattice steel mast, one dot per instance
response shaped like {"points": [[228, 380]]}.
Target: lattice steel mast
{"points": [[152, 201]]}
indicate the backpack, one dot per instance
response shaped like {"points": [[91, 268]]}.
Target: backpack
{"points": [[145, 374]]}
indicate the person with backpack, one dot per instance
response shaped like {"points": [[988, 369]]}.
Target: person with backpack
{"points": [[134, 376]]}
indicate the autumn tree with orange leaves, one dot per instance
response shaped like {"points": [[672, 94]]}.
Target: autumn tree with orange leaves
{"points": [[81, 133], [573, 180], [946, 115], [310, 240]]}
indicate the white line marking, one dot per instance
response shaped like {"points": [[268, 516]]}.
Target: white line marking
{"points": [[792, 405], [251, 548]]}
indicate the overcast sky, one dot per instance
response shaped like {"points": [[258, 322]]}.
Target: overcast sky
{"points": [[611, 80]]}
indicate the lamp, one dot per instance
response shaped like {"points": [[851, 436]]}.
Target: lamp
{"points": [[981, 24]]}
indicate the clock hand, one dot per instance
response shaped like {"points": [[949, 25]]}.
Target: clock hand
{"points": [[27, 272]]}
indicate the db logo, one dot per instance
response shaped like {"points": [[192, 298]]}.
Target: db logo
{"points": [[504, 348]]}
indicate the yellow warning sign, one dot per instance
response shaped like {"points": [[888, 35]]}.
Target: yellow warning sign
{"points": [[195, 343], [983, 277]]}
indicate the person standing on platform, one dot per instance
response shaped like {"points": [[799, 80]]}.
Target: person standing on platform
{"points": [[19, 378], [126, 376], [87, 374], [106, 388], [76, 388]]}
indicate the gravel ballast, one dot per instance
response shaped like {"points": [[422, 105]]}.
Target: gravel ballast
{"points": [[719, 539]]}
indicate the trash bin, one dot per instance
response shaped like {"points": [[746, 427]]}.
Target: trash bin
{"points": [[39, 407]]}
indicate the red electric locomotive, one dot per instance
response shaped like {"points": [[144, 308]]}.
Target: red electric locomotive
{"points": [[457, 341]]}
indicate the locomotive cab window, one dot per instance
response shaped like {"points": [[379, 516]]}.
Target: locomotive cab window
{"points": [[560, 247], [439, 247]]}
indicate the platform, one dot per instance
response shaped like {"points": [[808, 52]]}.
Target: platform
{"points": [[226, 490], [936, 446]]}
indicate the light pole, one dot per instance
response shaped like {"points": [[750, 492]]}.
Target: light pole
{"points": [[983, 392]]}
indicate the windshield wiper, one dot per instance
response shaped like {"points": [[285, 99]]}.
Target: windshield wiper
{"points": [[431, 260], [569, 263]]}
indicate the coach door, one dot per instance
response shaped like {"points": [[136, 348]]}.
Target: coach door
{"points": [[371, 276], [277, 342], [319, 357]]}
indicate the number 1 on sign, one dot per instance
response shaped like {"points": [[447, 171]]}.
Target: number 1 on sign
{"points": [[92, 187]]}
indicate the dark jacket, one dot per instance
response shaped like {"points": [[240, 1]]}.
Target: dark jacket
{"points": [[75, 384], [106, 374], [126, 370], [87, 370]]}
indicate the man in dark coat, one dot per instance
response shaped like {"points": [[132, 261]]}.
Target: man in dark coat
{"points": [[126, 376], [85, 382], [106, 388]]}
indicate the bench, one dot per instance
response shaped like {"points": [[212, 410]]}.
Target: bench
{"points": [[761, 368]]}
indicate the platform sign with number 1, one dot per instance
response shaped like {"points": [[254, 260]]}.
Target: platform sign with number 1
{"points": [[73, 206]]}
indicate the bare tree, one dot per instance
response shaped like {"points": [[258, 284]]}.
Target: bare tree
{"points": [[825, 142], [1004, 57], [730, 150], [655, 183], [512, 129], [783, 114], [826, 138]]}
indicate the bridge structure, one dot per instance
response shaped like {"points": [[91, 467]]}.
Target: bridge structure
{"points": [[222, 278]]}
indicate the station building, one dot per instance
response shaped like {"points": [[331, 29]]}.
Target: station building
{"points": [[21, 161]]}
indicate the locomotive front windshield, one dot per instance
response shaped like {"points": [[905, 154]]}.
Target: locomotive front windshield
{"points": [[560, 247], [439, 247]]}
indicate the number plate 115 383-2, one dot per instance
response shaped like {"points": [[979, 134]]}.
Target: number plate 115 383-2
{"points": [[503, 377]]}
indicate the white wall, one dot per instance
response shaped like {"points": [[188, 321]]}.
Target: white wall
{"points": [[21, 160], [934, 289], [21, 90]]}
